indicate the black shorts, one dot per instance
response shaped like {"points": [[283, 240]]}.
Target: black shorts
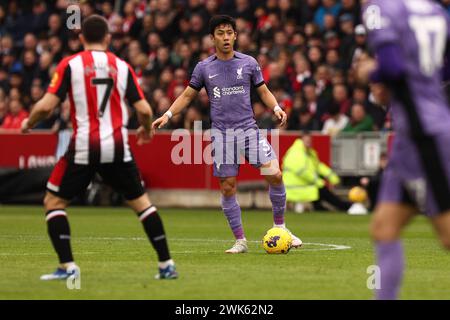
{"points": [[69, 179]]}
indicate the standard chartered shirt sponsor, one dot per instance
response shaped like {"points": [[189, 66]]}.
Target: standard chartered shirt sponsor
{"points": [[233, 90]]}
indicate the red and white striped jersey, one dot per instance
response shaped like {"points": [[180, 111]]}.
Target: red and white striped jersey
{"points": [[98, 83]]}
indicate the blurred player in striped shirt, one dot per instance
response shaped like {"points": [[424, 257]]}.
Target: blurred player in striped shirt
{"points": [[98, 84]]}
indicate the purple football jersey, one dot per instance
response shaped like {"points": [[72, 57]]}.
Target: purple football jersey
{"points": [[228, 85], [418, 172], [420, 29]]}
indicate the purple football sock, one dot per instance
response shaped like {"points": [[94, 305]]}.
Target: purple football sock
{"points": [[232, 211], [277, 196], [391, 264]]}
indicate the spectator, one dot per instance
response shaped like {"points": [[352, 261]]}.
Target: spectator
{"points": [[36, 93], [307, 11], [377, 112], [39, 18], [328, 7], [163, 104], [14, 94], [360, 43], [304, 176], [30, 42], [3, 110], [2, 21], [193, 120], [302, 73], [164, 28], [16, 78], [15, 116], [351, 8], [129, 17], [315, 57], [359, 120], [212, 8], [56, 27], [243, 9], [3, 80], [295, 42], [55, 46], [179, 79], [43, 70], [332, 40], [336, 121], [341, 98], [203, 103], [287, 12], [30, 67], [16, 23], [197, 26], [262, 117], [315, 105], [346, 25]]}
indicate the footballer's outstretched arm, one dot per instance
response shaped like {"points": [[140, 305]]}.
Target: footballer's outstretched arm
{"points": [[269, 100], [144, 113], [177, 106], [145, 117], [41, 110]]}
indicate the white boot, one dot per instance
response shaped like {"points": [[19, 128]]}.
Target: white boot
{"points": [[240, 246], [296, 241]]}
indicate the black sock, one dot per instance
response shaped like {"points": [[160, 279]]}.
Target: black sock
{"points": [[155, 231], [59, 232]]}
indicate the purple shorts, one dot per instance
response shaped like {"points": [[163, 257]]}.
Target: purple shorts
{"points": [[230, 150], [418, 173]]}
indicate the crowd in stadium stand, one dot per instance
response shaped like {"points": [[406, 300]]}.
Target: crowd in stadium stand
{"points": [[306, 50]]}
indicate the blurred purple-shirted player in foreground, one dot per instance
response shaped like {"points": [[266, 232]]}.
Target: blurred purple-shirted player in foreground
{"points": [[228, 77], [409, 38]]}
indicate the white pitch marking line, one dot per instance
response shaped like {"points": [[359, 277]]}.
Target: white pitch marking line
{"points": [[328, 246], [40, 253]]}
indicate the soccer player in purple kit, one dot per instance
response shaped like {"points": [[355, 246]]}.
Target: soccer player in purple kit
{"points": [[228, 77], [409, 39]]}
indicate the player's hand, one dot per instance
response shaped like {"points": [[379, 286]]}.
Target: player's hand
{"points": [[282, 116], [24, 128], [160, 122], [143, 135]]}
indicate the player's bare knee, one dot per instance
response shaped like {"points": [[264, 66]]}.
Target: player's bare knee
{"points": [[228, 188], [277, 178], [52, 202], [228, 191], [48, 201], [139, 204], [382, 231]]}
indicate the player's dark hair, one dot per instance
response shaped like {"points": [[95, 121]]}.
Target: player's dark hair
{"points": [[221, 19], [94, 29]]}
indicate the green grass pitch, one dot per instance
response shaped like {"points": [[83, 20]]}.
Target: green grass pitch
{"points": [[117, 261]]}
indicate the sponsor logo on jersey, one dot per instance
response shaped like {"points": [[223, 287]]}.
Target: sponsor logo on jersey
{"points": [[216, 92], [219, 92]]}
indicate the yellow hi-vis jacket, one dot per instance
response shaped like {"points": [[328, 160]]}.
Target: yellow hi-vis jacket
{"points": [[304, 174]]}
